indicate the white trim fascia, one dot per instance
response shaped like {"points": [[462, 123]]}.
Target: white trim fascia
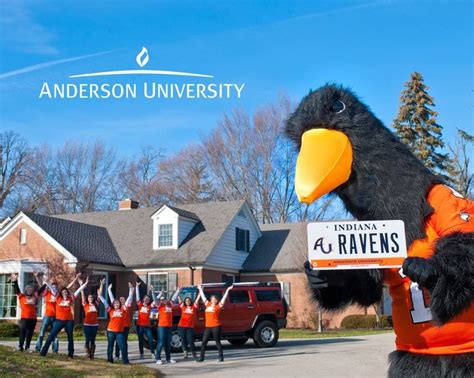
{"points": [[223, 269], [22, 217], [155, 269], [268, 273]]}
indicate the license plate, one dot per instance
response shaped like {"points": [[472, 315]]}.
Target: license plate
{"points": [[356, 244]]}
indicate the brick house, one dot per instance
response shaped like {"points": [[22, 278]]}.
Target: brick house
{"points": [[165, 246]]}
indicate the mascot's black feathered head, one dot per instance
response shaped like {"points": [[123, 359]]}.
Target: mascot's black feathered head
{"points": [[346, 150]]}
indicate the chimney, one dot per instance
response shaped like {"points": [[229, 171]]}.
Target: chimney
{"points": [[128, 204]]}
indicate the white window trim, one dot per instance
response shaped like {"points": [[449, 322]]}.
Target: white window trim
{"points": [[21, 267], [158, 274], [106, 274], [174, 232]]}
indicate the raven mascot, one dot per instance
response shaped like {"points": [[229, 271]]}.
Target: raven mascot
{"points": [[346, 150]]}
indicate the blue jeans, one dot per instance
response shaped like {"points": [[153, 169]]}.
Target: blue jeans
{"points": [[164, 340], [58, 325], [149, 335], [90, 332], [116, 337], [126, 331], [47, 322]]}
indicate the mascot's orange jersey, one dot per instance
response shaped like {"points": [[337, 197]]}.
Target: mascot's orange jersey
{"points": [[413, 327]]}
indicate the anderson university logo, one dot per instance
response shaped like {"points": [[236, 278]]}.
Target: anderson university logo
{"points": [[148, 89]]}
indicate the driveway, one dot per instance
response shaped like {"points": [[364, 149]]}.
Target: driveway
{"points": [[361, 356]]}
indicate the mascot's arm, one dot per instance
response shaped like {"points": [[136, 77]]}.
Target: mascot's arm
{"points": [[339, 288], [454, 288]]}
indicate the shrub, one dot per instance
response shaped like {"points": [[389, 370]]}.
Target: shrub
{"points": [[78, 330], [8, 329], [365, 321]]}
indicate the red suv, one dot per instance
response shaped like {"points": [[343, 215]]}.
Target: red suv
{"points": [[252, 310]]}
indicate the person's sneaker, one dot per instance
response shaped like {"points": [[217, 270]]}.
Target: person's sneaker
{"points": [[19, 349], [221, 359], [200, 360], [171, 362], [27, 350], [159, 362], [142, 356], [185, 354]]}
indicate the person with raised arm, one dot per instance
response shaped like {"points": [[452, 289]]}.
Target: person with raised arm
{"points": [[186, 324], [49, 316], [91, 322], [127, 322], [165, 326], [143, 325], [212, 322], [114, 327], [64, 316], [27, 301]]}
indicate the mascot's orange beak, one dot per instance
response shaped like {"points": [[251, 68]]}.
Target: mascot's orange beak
{"points": [[324, 163]]}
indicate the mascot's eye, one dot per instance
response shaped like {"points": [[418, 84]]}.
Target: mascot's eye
{"points": [[338, 106]]}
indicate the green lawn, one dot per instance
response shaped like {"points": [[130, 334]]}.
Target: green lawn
{"points": [[13, 363], [312, 334]]}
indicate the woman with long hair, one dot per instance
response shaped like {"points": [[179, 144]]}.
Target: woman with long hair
{"points": [[213, 322], [27, 300], [165, 326], [127, 321], [143, 325], [64, 317], [186, 324], [49, 315], [114, 328], [91, 322]]}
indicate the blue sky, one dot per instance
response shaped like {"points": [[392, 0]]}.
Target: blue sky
{"points": [[271, 46]]}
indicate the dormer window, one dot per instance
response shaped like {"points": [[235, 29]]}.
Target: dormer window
{"points": [[242, 240], [165, 235]]}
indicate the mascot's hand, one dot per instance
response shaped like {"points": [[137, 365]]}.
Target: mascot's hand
{"points": [[421, 271], [322, 279], [314, 277]]}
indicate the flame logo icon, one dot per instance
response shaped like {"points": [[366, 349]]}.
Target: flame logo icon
{"points": [[142, 57]]}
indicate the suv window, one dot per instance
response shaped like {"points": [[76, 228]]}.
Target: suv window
{"points": [[268, 295], [239, 296]]}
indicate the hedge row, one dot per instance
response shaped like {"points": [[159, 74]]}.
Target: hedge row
{"points": [[8, 329], [366, 321]]}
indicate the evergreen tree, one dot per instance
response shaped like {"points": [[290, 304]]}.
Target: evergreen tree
{"points": [[417, 127]]}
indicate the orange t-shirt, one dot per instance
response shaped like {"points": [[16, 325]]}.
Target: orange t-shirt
{"points": [[188, 316], [143, 315], [116, 320], [91, 313], [413, 327], [50, 300], [64, 308], [165, 318], [212, 315], [28, 306], [127, 322]]}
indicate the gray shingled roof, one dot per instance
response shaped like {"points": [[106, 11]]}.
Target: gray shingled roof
{"points": [[184, 213], [85, 242], [131, 232], [282, 248]]}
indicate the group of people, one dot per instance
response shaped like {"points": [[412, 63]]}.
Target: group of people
{"points": [[59, 315]]}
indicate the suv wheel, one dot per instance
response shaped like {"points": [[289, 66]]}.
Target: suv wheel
{"points": [[265, 334], [241, 341], [176, 344]]}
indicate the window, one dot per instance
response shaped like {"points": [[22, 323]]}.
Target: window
{"points": [[239, 296], [242, 240], [165, 235], [23, 236], [159, 282], [268, 295], [228, 279], [29, 279], [7, 297], [285, 288]]}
